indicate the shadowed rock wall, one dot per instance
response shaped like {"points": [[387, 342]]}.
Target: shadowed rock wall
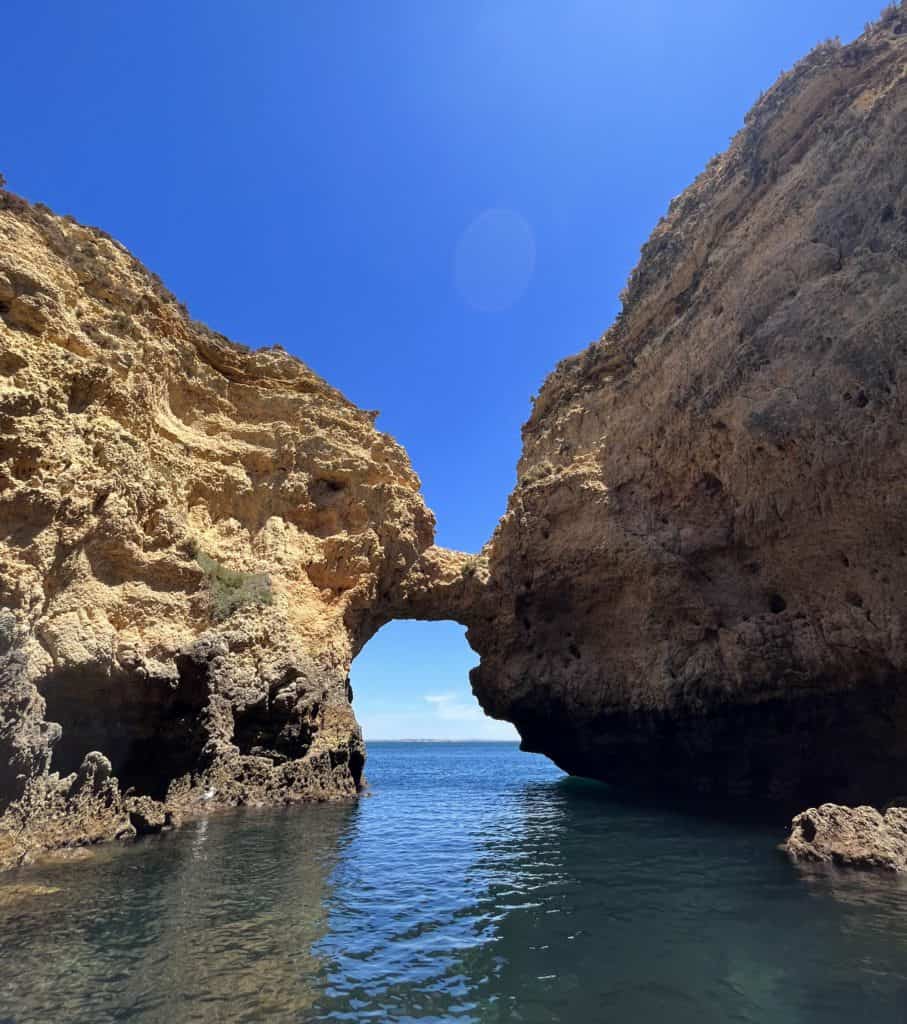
{"points": [[700, 577]]}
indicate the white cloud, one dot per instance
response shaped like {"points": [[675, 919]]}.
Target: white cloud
{"points": [[449, 707], [433, 716]]}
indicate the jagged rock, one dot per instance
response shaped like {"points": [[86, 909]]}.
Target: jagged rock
{"points": [[699, 580], [856, 837], [93, 775], [194, 540], [148, 817]]}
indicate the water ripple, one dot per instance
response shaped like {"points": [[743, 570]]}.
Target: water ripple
{"points": [[476, 885]]}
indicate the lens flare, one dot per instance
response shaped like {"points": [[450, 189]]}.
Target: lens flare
{"points": [[494, 261]]}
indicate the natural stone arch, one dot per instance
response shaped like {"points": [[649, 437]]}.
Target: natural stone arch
{"points": [[411, 681], [442, 585]]}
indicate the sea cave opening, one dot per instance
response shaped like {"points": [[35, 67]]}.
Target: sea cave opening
{"points": [[147, 728], [411, 682]]}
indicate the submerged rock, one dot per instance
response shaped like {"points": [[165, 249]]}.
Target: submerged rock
{"points": [[856, 837], [12, 894]]}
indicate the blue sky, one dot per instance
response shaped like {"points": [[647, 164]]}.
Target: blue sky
{"points": [[429, 201]]}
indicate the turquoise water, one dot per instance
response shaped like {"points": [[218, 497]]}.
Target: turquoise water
{"points": [[476, 883]]}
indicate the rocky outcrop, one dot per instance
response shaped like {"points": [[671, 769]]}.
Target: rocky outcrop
{"points": [[698, 585], [854, 837], [149, 817], [194, 542], [699, 579]]}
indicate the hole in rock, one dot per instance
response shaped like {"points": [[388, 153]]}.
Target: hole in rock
{"points": [[324, 490], [357, 763], [711, 484], [82, 393], [776, 603], [274, 728], [148, 730], [411, 682], [10, 362]]}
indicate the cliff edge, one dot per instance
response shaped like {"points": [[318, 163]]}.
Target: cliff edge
{"points": [[194, 538], [700, 577]]}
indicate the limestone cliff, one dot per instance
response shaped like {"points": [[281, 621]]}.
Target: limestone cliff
{"points": [[700, 578], [698, 584], [193, 540]]}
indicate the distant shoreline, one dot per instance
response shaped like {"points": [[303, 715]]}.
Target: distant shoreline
{"points": [[418, 740]]}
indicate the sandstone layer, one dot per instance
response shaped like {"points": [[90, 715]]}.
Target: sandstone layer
{"points": [[700, 578], [195, 540]]}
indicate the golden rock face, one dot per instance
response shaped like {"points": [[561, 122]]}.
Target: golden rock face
{"points": [[192, 537], [698, 583]]}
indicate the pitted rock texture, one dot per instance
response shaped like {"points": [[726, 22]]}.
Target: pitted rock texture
{"points": [[138, 449], [853, 837], [700, 577], [441, 584], [698, 585]]}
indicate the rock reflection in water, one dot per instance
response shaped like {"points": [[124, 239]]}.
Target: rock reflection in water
{"points": [[471, 895], [476, 885], [213, 923]]}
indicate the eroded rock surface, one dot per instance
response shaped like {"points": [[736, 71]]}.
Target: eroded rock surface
{"points": [[854, 837], [698, 584], [193, 542], [700, 577]]}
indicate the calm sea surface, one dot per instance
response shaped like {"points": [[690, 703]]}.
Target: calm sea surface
{"points": [[476, 883]]}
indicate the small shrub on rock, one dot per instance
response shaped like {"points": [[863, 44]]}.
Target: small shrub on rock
{"points": [[468, 568], [231, 590]]}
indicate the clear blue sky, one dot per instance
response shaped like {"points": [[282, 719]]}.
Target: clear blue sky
{"points": [[429, 201]]}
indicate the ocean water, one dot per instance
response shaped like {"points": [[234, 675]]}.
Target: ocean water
{"points": [[475, 884]]}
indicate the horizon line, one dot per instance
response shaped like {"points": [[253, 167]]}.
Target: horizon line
{"points": [[425, 739]]}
